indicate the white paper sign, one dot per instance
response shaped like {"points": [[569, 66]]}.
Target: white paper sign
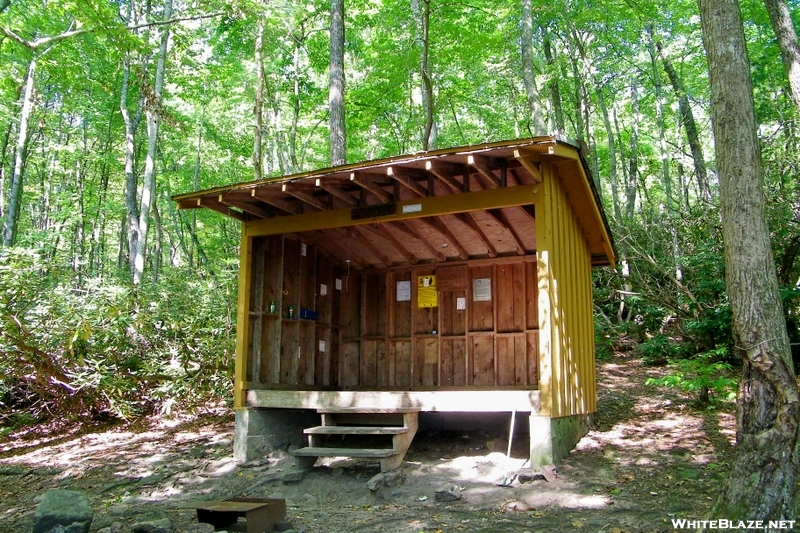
{"points": [[482, 290], [323, 289], [321, 346], [338, 284], [303, 249], [461, 304], [403, 291]]}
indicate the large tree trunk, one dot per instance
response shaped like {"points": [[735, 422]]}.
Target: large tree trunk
{"points": [[689, 124], [763, 483], [149, 182], [782, 24], [338, 132], [15, 196], [535, 114]]}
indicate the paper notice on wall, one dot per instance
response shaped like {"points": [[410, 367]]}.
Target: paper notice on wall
{"points": [[338, 284], [323, 289], [482, 290], [404, 291], [303, 249], [461, 304], [321, 346], [427, 295]]}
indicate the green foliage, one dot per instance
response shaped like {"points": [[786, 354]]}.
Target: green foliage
{"points": [[101, 346], [706, 376]]}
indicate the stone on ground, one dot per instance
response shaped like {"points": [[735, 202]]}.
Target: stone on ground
{"points": [[67, 511], [448, 493], [386, 479]]}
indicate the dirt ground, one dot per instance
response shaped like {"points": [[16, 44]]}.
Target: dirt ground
{"points": [[650, 457]]}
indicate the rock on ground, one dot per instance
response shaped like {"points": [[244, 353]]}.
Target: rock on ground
{"points": [[67, 511], [448, 493]]}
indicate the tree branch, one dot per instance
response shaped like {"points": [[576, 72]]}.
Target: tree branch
{"points": [[44, 41]]}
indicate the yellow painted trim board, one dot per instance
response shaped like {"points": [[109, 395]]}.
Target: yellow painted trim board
{"points": [[422, 207], [242, 320]]}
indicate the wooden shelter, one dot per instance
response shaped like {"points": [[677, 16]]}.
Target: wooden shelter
{"points": [[456, 280]]}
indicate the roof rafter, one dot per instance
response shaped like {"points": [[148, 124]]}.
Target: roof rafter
{"points": [[473, 224], [292, 190], [381, 232], [266, 196], [367, 184], [502, 219]]}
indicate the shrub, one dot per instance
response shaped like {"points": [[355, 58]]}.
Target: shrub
{"points": [[706, 376], [99, 346]]}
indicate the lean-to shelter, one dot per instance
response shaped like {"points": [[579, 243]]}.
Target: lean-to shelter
{"points": [[449, 281]]}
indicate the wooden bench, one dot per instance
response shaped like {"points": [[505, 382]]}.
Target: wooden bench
{"points": [[261, 514]]}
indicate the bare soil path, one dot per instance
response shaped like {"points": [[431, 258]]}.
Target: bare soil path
{"points": [[649, 458]]}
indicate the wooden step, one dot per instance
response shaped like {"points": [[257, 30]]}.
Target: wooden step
{"points": [[355, 430], [368, 453]]}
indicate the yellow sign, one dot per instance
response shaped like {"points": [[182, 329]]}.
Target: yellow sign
{"points": [[427, 296]]}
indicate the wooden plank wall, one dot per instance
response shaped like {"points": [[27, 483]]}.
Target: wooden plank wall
{"points": [[567, 380], [364, 338]]}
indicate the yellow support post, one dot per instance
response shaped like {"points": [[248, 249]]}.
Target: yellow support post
{"points": [[242, 319]]}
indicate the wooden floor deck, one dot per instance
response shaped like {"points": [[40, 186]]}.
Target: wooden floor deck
{"points": [[475, 401]]}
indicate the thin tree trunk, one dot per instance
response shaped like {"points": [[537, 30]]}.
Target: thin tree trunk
{"points": [[157, 249], [633, 171], [422, 12], [292, 145], [536, 124], [258, 108], [784, 30], [672, 208], [689, 124], [15, 195], [3, 171], [764, 480], [555, 91], [193, 224], [149, 183], [338, 133]]}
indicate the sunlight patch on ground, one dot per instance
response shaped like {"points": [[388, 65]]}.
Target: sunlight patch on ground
{"points": [[490, 468]]}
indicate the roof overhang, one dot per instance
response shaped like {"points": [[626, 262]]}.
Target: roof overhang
{"points": [[459, 203]]}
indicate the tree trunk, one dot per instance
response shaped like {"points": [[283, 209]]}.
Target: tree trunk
{"points": [[258, 108], [149, 182], [763, 482], [193, 223], [292, 145], [3, 171], [157, 249], [338, 133], [783, 27], [536, 123], [422, 13], [672, 208], [21, 154], [552, 77], [633, 171], [689, 124]]}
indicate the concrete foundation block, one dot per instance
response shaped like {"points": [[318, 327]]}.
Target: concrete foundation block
{"points": [[553, 438], [261, 431]]}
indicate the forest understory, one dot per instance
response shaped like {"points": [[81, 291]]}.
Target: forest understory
{"points": [[651, 456]]}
